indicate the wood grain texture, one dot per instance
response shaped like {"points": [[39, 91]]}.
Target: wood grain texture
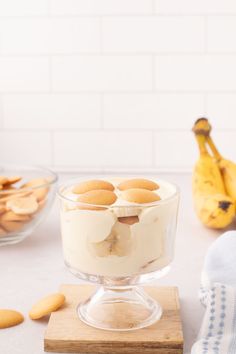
{"points": [[67, 334]]}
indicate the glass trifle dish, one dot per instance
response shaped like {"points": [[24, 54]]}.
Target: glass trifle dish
{"points": [[118, 233]]}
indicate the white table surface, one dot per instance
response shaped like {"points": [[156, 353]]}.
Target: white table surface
{"points": [[35, 268]]}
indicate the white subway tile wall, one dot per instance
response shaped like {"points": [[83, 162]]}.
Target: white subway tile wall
{"points": [[112, 84], [26, 147], [101, 149], [101, 7], [153, 34], [24, 74], [99, 73]]}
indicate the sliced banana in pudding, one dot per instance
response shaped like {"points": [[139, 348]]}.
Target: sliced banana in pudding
{"points": [[93, 225], [118, 243], [129, 220]]}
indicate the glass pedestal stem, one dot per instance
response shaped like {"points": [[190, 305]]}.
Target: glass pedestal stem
{"points": [[120, 308]]}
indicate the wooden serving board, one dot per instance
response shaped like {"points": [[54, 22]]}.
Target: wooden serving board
{"points": [[67, 334]]}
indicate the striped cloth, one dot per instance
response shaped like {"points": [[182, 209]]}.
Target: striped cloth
{"points": [[218, 294]]}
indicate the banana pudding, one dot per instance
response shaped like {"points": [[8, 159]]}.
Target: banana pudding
{"points": [[118, 227]]}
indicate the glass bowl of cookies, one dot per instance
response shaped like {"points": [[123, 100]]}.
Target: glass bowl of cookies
{"points": [[26, 195], [118, 232]]}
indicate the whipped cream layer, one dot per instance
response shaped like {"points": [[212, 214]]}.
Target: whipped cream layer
{"points": [[124, 239]]}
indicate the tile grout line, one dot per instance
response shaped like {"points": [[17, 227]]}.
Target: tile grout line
{"points": [[154, 71], [154, 10], [141, 14], [52, 148], [111, 130], [2, 121], [101, 94], [49, 8], [1, 49], [137, 169], [206, 36], [153, 149], [102, 111], [117, 54], [205, 96], [51, 132], [101, 34], [205, 103], [50, 74], [157, 91]]}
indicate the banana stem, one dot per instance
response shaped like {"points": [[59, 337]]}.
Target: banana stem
{"points": [[213, 148], [202, 127], [201, 140]]}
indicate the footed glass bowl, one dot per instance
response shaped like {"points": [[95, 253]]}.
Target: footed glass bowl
{"points": [[118, 246], [26, 196]]}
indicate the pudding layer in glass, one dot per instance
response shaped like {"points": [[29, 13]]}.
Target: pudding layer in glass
{"points": [[130, 235]]}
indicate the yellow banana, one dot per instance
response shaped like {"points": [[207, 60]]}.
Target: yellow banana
{"points": [[227, 167], [214, 208]]}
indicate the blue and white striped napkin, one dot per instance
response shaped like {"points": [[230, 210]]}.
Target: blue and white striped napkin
{"points": [[218, 294]]}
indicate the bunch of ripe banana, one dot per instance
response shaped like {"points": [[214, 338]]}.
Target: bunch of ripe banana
{"points": [[214, 181]]}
